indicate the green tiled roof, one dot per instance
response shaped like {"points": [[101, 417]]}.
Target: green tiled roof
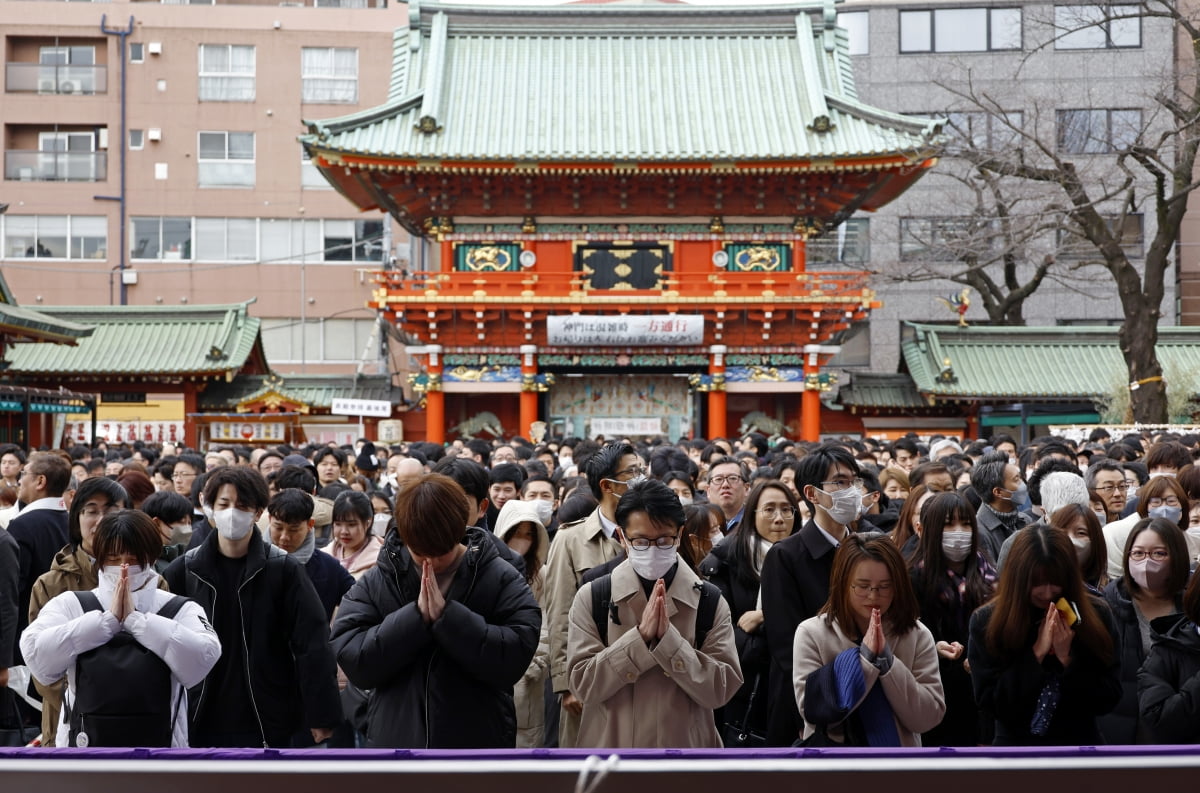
{"points": [[622, 83], [315, 391], [35, 325], [147, 341], [873, 390], [1025, 363]]}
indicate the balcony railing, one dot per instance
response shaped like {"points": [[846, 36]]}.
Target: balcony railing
{"points": [[56, 166], [40, 78]]}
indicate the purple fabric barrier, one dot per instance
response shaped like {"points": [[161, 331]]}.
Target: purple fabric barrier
{"points": [[1000, 753]]}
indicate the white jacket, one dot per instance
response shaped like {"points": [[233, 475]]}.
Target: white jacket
{"points": [[63, 630]]}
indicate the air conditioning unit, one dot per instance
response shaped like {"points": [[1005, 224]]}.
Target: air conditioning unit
{"points": [[154, 133], [67, 87], [25, 174], [154, 48], [291, 4], [47, 87], [103, 142]]}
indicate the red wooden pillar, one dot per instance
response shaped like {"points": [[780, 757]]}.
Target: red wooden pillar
{"points": [[435, 398], [529, 390], [717, 416], [191, 403]]}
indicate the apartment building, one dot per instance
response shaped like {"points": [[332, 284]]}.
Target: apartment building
{"points": [[1082, 92], [150, 158]]}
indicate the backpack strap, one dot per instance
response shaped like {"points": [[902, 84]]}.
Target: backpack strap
{"points": [[89, 601], [706, 611], [172, 607], [601, 604]]}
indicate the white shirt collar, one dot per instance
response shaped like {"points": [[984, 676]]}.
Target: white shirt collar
{"points": [[607, 525], [52, 503]]}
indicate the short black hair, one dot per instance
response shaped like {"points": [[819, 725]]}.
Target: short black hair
{"points": [[906, 445], [470, 475], [667, 458], [168, 506], [658, 501], [482, 448], [325, 451], [603, 465], [812, 468], [127, 531], [195, 461], [291, 505], [507, 472], [250, 486], [353, 504], [295, 477]]}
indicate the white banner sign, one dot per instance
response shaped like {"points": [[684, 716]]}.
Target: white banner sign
{"points": [[247, 431], [610, 428], [361, 407], [656, 330], [126, 431]]}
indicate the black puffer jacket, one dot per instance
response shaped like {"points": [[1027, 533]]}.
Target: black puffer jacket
{"points": [[292, 675], [1169, 682], [447, 685]]}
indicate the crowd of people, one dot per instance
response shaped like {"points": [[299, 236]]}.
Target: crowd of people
{"points": [[582, 593]]}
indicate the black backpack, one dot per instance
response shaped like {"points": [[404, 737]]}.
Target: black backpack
{"points": [[122, 690], [603, 608]]}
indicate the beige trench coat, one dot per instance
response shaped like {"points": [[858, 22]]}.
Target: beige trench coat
{"points": [[663, 696], [577, 548], [913, 685]]}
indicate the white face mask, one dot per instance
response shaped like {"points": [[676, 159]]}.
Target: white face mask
{"points": [[846, 504], [956, 545], [1083, 549], [685, 501], [233, 524], [1194, 531], [139, 577], [1101, 516], [208, 512], [545, 510], [379, 525], [652, 563]]}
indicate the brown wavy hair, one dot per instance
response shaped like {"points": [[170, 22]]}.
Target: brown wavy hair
{"points": [[1040, 555]]}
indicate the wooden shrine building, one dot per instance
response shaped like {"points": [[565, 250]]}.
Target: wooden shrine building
{"points": [[602, 191]]}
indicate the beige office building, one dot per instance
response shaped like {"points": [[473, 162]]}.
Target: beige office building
{"points": [[183, 119]]}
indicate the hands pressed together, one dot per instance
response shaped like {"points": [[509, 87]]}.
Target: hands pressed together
{"points": [[1054, 638], [122, 599], [654, 622], [430, 601], [875, 640]]}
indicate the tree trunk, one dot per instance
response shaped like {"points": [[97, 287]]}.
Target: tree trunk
{"points": [[1138, 338]]}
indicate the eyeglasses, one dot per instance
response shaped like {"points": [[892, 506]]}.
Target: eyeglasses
{"points": [[840, 484], [643, 544], [728, 479], [783, 512], [863, 591], [1170, 501], [99, 512], [1158, 555], [636, 470], [178, 475], [1109, 488]]}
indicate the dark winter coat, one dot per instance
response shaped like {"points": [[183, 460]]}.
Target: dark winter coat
{"points": [[742, 596], [795, 585], [446, 685], [1169, 682], [1121, 726], [292, 674], [1007, 688]]}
